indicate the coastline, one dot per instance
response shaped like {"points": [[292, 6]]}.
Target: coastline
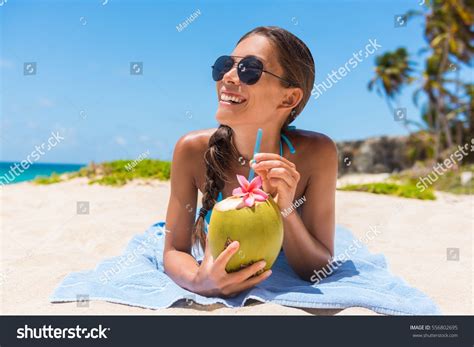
{"points": [[13, 172]]}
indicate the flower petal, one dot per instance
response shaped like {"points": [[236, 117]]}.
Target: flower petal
{"points": [[240, 205], [260, 195], [238, 192], [256, 183], [243, 182], [249, 200], [259, 198]]}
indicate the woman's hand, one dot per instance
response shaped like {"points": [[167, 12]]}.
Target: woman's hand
{"points": [[279, 177], [213, 280]]}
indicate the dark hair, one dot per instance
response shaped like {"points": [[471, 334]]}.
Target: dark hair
{"points": [[298, 68]]}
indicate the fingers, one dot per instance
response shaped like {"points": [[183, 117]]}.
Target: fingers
{"points": [[252, 282], [267, 186], [226, 254], [284, 175], [270, 165], [207, 259], [261, 157], [262, 172], [245, 273], [276, 168], [207, 250]]}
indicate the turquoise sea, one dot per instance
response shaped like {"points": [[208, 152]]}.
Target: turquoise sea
{"points": [[10, 175]]}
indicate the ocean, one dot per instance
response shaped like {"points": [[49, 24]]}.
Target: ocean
{"points": [[10, 175]]}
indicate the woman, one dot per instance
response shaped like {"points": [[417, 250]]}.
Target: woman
{"points": [[265, 83]]}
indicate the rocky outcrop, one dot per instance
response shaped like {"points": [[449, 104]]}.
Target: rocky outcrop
{"points": [[374, 155]]}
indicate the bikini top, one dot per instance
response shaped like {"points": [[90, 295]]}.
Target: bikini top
{"points": [[292, 150]]}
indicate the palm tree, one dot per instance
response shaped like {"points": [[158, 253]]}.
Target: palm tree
{"points": [[433, 87], [392, 72], [448, 32]]}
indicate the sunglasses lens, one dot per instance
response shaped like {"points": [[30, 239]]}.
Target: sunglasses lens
{"points": [[249, 70], [221, 66]]}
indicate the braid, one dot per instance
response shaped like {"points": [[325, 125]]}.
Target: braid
{"points": [[218, 157]]}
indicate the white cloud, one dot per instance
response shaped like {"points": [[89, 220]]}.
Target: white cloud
{"points": [[68, 133], [45, 102], [31, 124], [6, 64], [120, 140]]}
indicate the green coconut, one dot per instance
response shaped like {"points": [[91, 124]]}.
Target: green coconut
{"points": [[259, 230]]}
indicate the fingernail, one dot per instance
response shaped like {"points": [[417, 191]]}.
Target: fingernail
{"points": [[263, 263], [234, 244]]}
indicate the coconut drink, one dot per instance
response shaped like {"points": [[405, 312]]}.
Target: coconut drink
{"points": [[251, 217]]}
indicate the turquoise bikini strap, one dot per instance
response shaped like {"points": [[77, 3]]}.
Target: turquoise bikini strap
{"points": [[292, 149]]}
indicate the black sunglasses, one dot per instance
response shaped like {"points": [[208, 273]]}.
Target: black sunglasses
{"points": [[249, 69]]}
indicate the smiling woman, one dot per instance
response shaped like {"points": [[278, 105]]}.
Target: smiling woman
{"points": [[264, 83]]}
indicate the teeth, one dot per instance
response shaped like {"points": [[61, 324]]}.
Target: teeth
{"points": [[235, 99]]}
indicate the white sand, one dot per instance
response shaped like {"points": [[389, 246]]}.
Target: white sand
{"points": [[43, 239], [358, 178]]}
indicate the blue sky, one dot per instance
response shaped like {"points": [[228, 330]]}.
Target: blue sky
{"points": [[83, 87]]}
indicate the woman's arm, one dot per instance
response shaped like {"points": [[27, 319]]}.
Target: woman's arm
{"points": [[178, 262], [210, 277], [309, 240]]}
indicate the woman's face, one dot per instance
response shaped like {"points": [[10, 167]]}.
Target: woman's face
{"points": [[262, 101]]}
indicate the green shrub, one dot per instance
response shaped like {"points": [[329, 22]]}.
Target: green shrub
{"points": [[401, 190], [115, 173], [54, 178], [449, 181]]}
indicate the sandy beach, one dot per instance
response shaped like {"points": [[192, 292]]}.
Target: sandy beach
{"points": [[43, 239]]}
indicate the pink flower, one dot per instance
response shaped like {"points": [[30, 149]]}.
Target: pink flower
{"points": [[250, 192]]}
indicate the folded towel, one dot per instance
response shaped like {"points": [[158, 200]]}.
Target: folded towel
{"points": [[358, 278]]}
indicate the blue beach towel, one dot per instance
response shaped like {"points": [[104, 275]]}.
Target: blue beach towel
{"points": [[137, 278]]}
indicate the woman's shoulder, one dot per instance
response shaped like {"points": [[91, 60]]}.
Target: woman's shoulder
{"points": [[317, 152], [313, 142], [307, 142], [195, 141]]}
